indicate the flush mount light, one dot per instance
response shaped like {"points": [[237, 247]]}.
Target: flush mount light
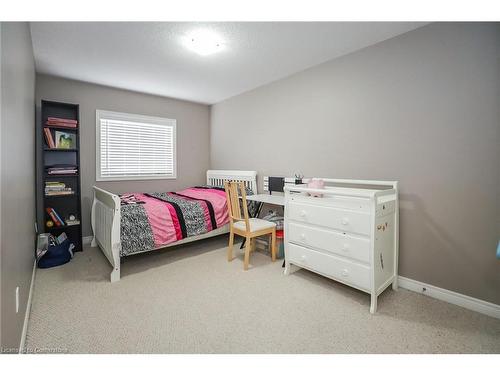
{"points": [[203, 42]]}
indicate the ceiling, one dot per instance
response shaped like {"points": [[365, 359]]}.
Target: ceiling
{"points": [[149, 56]]}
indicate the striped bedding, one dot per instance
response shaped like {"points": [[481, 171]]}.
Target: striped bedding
{"points": [[162, 218]]}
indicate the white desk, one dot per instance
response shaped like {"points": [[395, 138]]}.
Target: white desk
{"points": [[278, 200]]}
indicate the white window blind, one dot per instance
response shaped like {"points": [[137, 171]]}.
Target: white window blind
{"points": [[134, 147]]}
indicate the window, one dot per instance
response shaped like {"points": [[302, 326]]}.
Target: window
{"points": [[134, 147]]}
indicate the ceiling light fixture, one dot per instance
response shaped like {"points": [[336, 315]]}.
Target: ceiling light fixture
{"points": [[203, 42]]}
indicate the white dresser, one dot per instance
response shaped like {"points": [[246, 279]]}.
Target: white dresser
{"points": [[348, 234]]}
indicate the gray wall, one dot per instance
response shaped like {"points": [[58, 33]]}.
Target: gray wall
{"points": [[421, 108], [193, 155], [17, 176]]}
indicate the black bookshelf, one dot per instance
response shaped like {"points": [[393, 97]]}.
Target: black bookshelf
{"points": [[47, 157]]}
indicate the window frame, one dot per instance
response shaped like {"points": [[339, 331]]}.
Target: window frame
{"points": [[139, 118]]}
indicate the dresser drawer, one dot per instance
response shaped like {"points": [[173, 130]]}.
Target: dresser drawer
{"points": [[333, 242], [351, 273], [343, 220]]}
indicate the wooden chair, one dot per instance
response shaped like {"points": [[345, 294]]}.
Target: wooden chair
{"points": [[242, 225]]}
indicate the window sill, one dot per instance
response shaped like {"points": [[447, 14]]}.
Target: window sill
{"points": [[133, 178]]}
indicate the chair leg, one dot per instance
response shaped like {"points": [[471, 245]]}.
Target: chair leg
{"points": [[248, 247], [273, 246], [254, 244], [230, 247]]}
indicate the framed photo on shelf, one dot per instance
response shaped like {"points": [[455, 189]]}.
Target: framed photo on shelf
{"points": [[65, 140]]}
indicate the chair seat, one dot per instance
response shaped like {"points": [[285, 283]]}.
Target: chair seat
{"points": [[255, 224]]}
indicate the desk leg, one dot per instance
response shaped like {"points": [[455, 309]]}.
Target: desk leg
{"points": [[255, 214]]}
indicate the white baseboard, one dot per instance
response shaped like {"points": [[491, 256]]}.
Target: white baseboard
{"points": [[455, 298], [87, 240], [22, 343]]}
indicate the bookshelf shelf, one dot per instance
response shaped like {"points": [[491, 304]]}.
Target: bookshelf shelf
{"points": [[74, 195], [60, 175], [61, 149], [58, 207], [66, 227], [64, 128]]}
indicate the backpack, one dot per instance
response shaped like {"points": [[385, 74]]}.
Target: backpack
{"points": [[56, 255]]}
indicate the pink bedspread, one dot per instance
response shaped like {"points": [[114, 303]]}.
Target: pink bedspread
{"points": [[171, 217]]}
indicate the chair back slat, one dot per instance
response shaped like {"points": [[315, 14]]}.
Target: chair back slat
{"points": [[233, 189], [235, 200]]}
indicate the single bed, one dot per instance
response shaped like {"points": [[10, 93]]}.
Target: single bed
{"points": [[141, 222]]}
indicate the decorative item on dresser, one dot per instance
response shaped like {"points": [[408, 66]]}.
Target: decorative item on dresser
{"points": [[347, 234]]}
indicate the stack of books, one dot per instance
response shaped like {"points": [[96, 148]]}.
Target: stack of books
{"points": [[54, 188], [61, 122], [62, 169]]}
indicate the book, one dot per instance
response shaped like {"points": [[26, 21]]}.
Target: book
{"points": [[61, 120], [57, 216], [56, 193], [61, 238], [53, 216], [48, 138], [63, 173], [62, 169], [72, 172], [55, 186], [65, 140]]}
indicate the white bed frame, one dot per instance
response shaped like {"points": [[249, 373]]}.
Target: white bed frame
{"points": [[106, 216]]}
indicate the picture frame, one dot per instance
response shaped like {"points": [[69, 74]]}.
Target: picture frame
{"points": [[65, 140]]}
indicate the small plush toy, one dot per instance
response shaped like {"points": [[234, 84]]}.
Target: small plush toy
{"points": [[316, 183]]}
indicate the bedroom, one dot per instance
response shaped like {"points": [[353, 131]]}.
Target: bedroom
{"points": [[368, 153]]}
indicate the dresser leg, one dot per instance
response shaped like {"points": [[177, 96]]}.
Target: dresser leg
{"points": [[290, 268], [287, 272], [373, 305]]}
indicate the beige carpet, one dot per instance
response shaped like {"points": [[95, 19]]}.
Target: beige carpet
{"points": [[189, 299]]}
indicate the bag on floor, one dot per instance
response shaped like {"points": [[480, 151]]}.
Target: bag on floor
{"points": [[57, 255]]}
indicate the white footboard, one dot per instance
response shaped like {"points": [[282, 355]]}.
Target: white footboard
{"points": [[106, 227]]}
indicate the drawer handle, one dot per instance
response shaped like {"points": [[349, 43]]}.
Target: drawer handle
{"points": [[303, 236], [345, 221], [302, 213], [345, 272], [303, 258], [345, 247]]}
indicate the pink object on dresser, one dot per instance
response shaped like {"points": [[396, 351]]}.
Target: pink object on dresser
{"points": [[316, 183]]}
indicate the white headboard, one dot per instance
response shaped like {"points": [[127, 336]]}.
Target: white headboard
{"points": [[217, 178]]}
